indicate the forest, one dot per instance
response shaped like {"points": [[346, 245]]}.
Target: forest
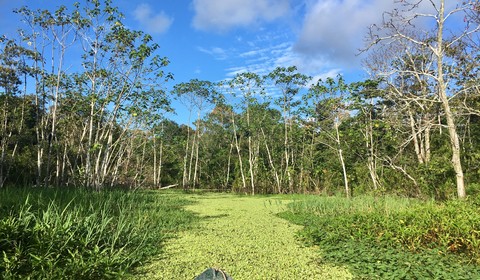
{"points": [[411, 128], [383, 173]]}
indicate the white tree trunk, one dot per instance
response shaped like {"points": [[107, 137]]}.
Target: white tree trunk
{"points": [[442, 91]]}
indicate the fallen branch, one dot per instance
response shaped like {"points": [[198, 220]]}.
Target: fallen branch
{"points": [[168, 187]]}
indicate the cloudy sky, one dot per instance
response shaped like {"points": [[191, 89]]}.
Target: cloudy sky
{"points": [[214, 39]]}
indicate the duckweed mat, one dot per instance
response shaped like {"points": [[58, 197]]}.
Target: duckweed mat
{"points": [[243, 237]]}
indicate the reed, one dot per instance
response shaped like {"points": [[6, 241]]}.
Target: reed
{"points": [[80, 234]]}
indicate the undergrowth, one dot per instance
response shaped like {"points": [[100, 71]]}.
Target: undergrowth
{"points": [[80, 234], [393, 238]]}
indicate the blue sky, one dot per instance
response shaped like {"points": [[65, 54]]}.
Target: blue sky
{"points": [[214, 39]]}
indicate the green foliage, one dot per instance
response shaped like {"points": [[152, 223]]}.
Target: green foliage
{"points": [[393, 238], [368, 261], [77, 234]]}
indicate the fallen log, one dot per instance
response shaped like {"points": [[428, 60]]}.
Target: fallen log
{"points": [[168, 187]]}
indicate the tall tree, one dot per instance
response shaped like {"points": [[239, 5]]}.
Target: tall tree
{"points": [[289, 82], [365, 99], [330, 110], [49, 36], [249, 87], [197, 95], [397, 28], [117, 89]]}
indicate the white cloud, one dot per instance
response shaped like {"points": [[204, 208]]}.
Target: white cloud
{"points": [[231, 72], [222, 15], [322, 77], [216, 52], [334, 29], [154, 23], [262, 58], [265, 53]]}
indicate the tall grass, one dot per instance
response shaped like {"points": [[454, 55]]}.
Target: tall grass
{"points": [[393, 237], [334, 205], [79, 234]]}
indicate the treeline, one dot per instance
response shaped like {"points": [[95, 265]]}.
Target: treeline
{"points": [[412, 128]]}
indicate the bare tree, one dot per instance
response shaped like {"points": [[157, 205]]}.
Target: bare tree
{"points": [[398, 28]]}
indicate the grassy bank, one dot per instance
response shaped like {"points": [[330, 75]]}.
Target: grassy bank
{"points": [[393, 238], [79, 234]]}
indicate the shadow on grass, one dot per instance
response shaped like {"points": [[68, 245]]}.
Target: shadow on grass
{"points": [[371, 261], [213, 217], [391, 238]]}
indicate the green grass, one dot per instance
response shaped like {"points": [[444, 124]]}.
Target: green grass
{"points": [[393, 238], [80, 234]]}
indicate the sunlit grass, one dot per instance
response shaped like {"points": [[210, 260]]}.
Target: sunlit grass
{"points": [[334, 205]]}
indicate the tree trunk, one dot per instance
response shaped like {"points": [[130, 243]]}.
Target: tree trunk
{"points": [[192, 153], [244, 183], [185, 159], [427, 144], [250, 155], [227, 179], [251, 163], [286, 153], [272, 165], [154, 177], [301, 183], [345, 178], [371, 161], [342, 161], [160, 163], [442, 91], [415, 137], [196, 171]]}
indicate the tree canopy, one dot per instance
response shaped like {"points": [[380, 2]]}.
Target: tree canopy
{"points": [[412, 127]]}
